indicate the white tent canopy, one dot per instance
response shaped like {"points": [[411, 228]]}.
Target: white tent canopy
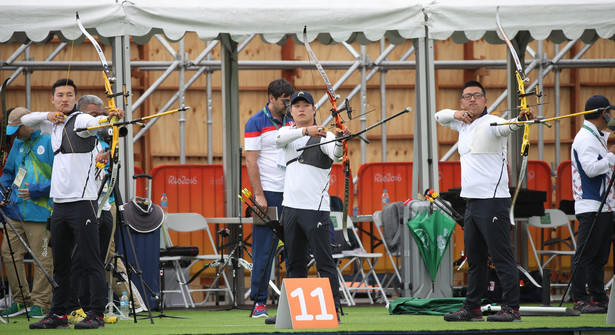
{"points": [[333, 21], [557, 20]]}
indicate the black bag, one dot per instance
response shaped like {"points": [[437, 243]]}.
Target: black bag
{"points": [[494, 287], [337, 237], [456, 201], [528, 291], [567, 206], [189, 251], [529, 202]]}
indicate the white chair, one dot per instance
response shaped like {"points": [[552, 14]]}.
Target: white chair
{"points": [[188, 223], [361, 258], [388, 280], [553, 220]]}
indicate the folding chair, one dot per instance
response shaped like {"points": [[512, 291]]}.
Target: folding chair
{"points": [[188, 223], [554, 220], [389, 278], [359, 256]]}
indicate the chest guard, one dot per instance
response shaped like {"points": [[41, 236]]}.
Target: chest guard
{"points": [[73, 143], [313, 156]]}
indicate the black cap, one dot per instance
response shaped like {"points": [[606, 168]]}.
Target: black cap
{"points": [[598, 101], [304, 95]]}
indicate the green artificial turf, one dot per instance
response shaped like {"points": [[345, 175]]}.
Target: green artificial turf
{"points": [[358, 319]]}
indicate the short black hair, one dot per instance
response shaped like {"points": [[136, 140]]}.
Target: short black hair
{"points": [[473, 83], [280, 87], [594, 115], [63, 82]]}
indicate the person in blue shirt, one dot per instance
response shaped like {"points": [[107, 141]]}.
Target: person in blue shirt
{"points": [[27, 173]]}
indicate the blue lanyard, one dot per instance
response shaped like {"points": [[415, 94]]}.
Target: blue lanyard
{"points": [[274, 123]]}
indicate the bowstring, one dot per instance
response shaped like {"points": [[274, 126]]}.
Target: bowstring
{"points": [[312, 66], [79, 170]]}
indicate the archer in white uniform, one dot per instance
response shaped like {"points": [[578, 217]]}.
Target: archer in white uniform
{"points": [[592, 168], [74, 189], [306, 217], [484, 184]]}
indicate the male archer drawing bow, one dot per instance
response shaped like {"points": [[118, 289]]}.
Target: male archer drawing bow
{"points": [[484, 183]]}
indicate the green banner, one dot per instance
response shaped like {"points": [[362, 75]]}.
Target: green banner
{"points": [[432, 232]]}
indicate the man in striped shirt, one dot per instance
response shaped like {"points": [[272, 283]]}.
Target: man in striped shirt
{"points": [[266, 174]]}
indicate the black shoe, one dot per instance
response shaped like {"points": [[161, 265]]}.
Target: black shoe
{"points": [[91, 321], [51, 321], [604, 303], [465, 314], [588, 307], [270, 320], [506, 314]]}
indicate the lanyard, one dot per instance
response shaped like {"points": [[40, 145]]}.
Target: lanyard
{"points": [[28, 149], [593, 133], [274, 123]]}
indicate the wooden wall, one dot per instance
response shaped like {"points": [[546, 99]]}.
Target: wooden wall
{"points": [[161, 144]]}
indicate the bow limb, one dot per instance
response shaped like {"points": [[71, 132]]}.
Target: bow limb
{"points": [[330, 92], [339, 124], [4, 147], [113, 118], [521, 80], [346, 168], [523, 107]]}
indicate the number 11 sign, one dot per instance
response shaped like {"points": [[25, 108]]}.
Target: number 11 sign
{"points": [[306, 303]]}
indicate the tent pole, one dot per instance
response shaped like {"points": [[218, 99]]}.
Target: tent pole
{"points": [[181, 58]]}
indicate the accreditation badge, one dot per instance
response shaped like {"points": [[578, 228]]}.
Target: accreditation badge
{"points": [[21, 174]]}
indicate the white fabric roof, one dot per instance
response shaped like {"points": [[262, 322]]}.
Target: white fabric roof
{"points": [[329, 20], [333, 20], [554, 19]]}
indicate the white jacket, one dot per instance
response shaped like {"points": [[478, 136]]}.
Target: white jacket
{"points": [[592, 166], [482, 151], [73, 175], [306, 186]]}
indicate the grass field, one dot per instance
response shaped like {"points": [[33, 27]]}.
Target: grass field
{"points": [[357, 319]]}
